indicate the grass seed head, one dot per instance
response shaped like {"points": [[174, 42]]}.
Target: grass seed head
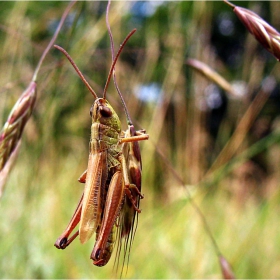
{"points": [[12, 130], [268, 36]]}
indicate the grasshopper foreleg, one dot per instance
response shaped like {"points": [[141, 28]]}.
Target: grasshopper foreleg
{"points": [[83, 177], [139, 136]]}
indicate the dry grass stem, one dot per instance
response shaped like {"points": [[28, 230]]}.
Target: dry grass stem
{"points": [[240, 133], [8, 166], [212, 75], [225, 266], [6, 170], [268, 36], [66, 12]]}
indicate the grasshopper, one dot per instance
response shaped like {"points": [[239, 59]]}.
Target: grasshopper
{"points": [[108, 184]]}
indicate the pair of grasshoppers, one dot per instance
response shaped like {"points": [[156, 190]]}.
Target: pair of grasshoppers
{"points": [[110, 202]]}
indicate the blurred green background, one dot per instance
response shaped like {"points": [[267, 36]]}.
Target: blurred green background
{"points": [[189, 119]]}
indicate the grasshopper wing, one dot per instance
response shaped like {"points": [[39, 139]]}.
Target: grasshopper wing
{"points": [[97, 173]]}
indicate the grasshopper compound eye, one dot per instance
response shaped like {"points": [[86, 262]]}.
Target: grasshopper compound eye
{"points": [[97, 254], [105, 112]]}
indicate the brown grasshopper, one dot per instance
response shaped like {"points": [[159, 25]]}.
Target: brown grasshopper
{"points": [[108, 182]]}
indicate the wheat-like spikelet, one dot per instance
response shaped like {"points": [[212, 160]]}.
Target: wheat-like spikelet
{"points": [[268, 36], [12, 130]]}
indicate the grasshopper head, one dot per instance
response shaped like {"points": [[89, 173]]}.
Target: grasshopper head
{"points": [[102, 112]]}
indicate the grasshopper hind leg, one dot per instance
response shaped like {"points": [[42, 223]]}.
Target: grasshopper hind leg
{"points": [[63, 240]]}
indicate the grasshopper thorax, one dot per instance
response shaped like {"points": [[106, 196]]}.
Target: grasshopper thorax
{"points": [[102, 112]]}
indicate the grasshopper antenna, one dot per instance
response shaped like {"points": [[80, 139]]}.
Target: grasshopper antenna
{"points": [[113, 54], [115, 61], [77, 70]]}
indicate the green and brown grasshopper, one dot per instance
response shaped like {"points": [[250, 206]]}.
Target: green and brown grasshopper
{"points": [[112, 179]]}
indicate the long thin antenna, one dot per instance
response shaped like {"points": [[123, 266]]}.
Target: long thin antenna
{"points": [[129, 121], [77, 69], [115, 61]]}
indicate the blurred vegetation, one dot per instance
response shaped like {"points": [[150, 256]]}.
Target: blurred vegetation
{"points": [[189, 120]]}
